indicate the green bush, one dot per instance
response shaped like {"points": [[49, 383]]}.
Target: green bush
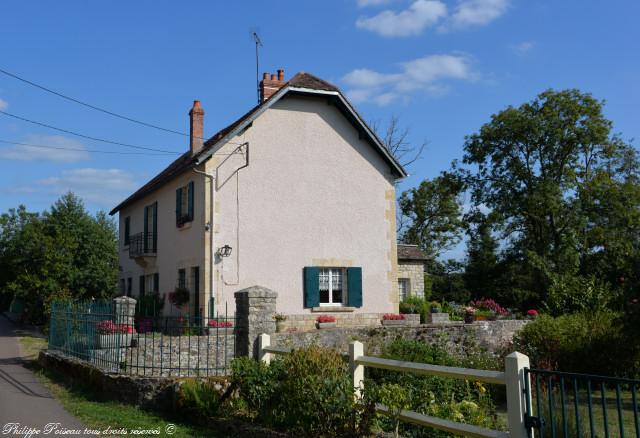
{"points": [[574, 294], [415, 305], [580, 342], [457, 400], [199, 399], [308, 392]]}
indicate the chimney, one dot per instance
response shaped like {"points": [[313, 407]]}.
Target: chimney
{"points": [[196, 125], [270, 84]]}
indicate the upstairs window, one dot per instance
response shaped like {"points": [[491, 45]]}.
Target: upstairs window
{"points": [[184, 204], [127, 230]]}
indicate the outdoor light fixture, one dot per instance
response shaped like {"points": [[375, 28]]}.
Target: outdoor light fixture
{"points": [[225, 251]]}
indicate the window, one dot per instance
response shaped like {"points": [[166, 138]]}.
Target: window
{"points": [[403, 288], [151, 228], [127, 230], [182, 278], [129, 286], [122, 286], [184, 204], [331, 283], [151, 283], [332, 286]]}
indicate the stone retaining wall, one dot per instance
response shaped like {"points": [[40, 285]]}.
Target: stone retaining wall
{"points": [[307, 322], [456, 337]]}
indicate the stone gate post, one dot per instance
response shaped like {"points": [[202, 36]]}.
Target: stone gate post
{"points": [[255, 309]]}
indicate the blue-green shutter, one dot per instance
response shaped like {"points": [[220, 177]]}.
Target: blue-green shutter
{"points": [[178, 205], [141, 286], [311, 286], [155, 227], [145, 240], [354, 287], [156, 282], [190, 197]]}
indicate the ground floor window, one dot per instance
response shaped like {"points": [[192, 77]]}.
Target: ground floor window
{"points": [[403, 288], [331, 286], [129, 286]]}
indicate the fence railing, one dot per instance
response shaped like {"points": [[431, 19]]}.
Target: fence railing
{"points": [[513, 378], [116, 342], [581, 405]]}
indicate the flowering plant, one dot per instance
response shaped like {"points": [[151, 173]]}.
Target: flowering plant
{"points": [[220, 324], [326, 318], [179, 297], [109, 327], [470, 310], [393, 317], [280, 317], [532, 313], [489, 304]]}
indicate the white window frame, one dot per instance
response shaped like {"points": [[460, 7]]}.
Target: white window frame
{"points": [[149, 287], [343, 277], [407, 283]]}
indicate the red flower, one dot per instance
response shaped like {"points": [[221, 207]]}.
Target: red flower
{"points": [[222, 324], [393, 317], [532, 312], [109, 327], [326, 318]]}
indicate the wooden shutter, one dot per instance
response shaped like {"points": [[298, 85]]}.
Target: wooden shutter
{"points": [[145, 241], [127, 229], [156, 282], [178, 206], [190, 200], [155, 226], [141, 285], [311, 286], [354, 287]]}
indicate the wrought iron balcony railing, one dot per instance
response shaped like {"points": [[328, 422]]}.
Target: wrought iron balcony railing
{"points": [[143, 244]]}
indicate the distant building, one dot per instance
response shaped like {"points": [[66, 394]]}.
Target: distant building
{"points": [[411, 262]]}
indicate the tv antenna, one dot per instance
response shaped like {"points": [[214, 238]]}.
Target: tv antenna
{"points": [[256, 39]]}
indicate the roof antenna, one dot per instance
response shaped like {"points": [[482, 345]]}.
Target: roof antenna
{"points": [[258, 42]]}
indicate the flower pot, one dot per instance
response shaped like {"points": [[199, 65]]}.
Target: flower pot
{"points": [[394, 322], [113, 340], [325, 325], [280, 326], [482, 318], [469, 318]]}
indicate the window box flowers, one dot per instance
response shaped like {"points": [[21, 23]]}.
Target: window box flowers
{"points": [[112, 335], [219, 326], [393, 319], [326, 321]]}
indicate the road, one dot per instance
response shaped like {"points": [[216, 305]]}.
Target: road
{"points": [[24, 402]]}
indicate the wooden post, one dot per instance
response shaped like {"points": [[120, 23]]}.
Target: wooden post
{"points": [[356, 350], [264, 340], [514, 365]]}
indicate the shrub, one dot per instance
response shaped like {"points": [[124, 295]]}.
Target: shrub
{"points": [[415, 305], [179, 297], [308, 392], [109, 327], [574, 294], [199, 399], [457, 400], [150, 305], [580, 342]]}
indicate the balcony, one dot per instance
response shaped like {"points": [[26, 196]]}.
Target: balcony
{"points": [[143, 245]]}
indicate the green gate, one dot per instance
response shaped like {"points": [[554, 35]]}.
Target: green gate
{"points": [[561, 404]]}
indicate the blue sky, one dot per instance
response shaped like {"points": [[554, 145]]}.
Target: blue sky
{"points": [[442, 66]]}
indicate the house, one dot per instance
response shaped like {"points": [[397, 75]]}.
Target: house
{"points": [[297, 195], [411, 262]]}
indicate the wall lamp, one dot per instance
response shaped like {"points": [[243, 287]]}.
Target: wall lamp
{"points": [[225, 251]]}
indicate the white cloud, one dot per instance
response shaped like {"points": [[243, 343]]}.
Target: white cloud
{"points": [[422, 14], [424, 75], [104, 187], [412, 21], [31, 153], [523, 48], [477, 12], [366, 3], [3, 105]]}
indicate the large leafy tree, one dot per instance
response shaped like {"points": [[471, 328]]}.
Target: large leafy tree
{"points": [[433, 214], [63, 253], [562, 191]]}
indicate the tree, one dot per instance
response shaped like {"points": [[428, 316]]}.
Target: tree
{"points": [[559, 186], [434, 211], [63, 253], [397, 142], [482, 258]]}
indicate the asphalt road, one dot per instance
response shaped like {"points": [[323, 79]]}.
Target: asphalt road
{"points": [[24, 402]]}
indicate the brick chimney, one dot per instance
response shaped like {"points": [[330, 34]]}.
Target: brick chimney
{"points": [[270, 84], [196, 125]]}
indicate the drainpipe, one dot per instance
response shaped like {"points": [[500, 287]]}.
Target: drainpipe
{"points": [[212, 252]]}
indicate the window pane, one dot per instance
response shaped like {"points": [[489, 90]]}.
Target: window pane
{"points": [[324, 296]]}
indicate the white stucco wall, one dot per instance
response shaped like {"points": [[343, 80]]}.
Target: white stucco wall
{"points": [[314, 194], [177, 247]]}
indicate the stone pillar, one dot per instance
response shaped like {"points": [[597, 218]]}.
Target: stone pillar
{"points": [[255, 309], [125, 310]]}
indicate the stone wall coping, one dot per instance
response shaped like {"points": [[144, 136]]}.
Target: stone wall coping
{"points": [[330, 309], [256, 292]]}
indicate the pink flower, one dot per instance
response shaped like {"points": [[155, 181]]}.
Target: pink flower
{"points": [[532, 312], [222, 324], [326, 318], [393, 317]]}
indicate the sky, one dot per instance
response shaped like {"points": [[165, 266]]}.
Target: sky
{"points": [[443, 67]]}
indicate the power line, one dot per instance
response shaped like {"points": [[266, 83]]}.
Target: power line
{"points": [[80, 149], [93, 107], [117, 143]]}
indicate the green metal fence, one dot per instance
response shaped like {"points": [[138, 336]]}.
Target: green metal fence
{"points": [[561, 404], [147, 344]]}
